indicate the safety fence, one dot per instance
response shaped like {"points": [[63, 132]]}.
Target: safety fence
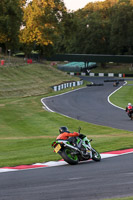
{"points": [[99, 74], [65, 85]]}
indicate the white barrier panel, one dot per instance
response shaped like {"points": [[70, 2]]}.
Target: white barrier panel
{"points": [[70, 84], [55, 88], [74, 84], [81, 82], [111, 74], [101, 74], [62, 86], [92, 74], [72, 73], [83, 74], [78, 83], [120, 75]]}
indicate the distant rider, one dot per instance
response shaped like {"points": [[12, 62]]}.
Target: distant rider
{"points": [[129, 108]]}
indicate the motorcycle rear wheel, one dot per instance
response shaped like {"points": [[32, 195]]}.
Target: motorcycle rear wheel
{"points": [[95, 155], [131, 116], [69, 156]]}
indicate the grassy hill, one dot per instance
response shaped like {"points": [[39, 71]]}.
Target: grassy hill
{"points": [[30, 80]]}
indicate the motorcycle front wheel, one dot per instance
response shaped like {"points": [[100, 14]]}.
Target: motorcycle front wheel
{"points": [[70, 156], [95, 155]]}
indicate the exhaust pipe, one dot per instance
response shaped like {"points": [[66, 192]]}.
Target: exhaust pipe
{"points": [[71, 147]]}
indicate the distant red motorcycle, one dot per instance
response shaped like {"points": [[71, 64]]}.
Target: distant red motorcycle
{"points": [[129, 110], [130, 114]]}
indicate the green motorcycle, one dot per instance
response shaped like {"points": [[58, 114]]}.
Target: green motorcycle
{"points": [[74, 153]]}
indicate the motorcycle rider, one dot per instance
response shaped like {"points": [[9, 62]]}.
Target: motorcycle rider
{"points": [[129, 108], [66, 135]]}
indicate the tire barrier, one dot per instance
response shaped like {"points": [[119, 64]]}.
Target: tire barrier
{"points": [[68, 84], [114, 80], [95, 84]]}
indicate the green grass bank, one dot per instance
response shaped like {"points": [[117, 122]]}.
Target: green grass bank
{"points": [[123, 96], [123, 198]]}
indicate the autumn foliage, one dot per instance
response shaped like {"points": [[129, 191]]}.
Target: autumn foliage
{"points": [[41, 21]]}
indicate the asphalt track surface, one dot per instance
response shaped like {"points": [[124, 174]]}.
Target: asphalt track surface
{"points": [[112, 177], [90, 104]]}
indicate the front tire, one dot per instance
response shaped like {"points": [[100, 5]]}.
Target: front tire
{"points": [[69, 156], [95, 155]]}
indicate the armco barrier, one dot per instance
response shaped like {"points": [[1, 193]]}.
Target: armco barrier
{"points": [[100, 74], [67, 85]]}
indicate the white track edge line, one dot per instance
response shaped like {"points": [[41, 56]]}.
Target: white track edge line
{"points": [[47, 108], [125, 82]]}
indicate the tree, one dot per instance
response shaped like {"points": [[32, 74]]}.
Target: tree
{"points": [[92, 35], [10, 21], [67, 36], [41, 23], [86, 32], [121, 39], [99, 28]]}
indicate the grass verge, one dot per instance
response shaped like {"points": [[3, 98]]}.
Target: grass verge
{"points": [[125, 198], [123, 96]]}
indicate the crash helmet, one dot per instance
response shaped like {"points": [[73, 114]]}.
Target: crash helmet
{"points": [[129, 104], [63, 129]]}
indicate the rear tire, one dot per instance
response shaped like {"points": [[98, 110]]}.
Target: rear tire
{"points": [[131, 116], [69, 156], [95, 155]]}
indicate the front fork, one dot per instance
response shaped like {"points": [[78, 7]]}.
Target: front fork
{"points": [[87, 146]]}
